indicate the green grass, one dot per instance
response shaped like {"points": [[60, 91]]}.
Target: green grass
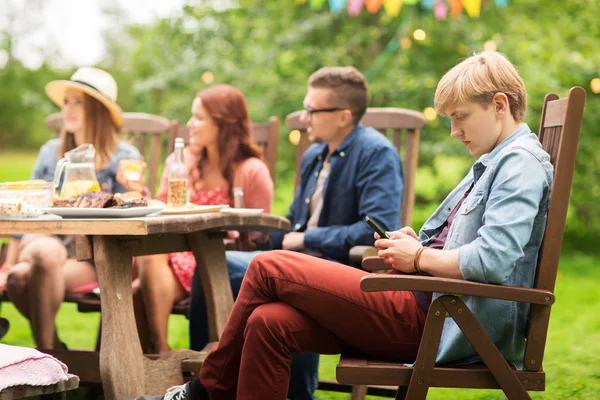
{"points": [[16, 165], [572, 359]]}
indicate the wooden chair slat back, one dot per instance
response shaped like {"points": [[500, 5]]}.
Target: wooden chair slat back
{"points": [[559, 134], [397, 123], [265, 135], [3, 249], [137, 126]]}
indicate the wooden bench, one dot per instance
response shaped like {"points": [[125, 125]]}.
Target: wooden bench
{"points": [[57, 390]]}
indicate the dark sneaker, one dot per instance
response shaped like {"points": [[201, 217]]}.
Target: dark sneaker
{"points": [[174, 393]]}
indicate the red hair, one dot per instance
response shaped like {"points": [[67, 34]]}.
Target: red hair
{"points": [[227, 107]]}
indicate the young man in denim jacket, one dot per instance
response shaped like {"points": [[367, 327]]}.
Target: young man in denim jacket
{"points": [[350, 172]]}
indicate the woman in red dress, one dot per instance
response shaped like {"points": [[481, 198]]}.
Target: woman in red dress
{"points": [[219, 157]]}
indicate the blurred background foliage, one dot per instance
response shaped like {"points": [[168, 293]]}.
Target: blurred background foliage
{"points": [[269, 48]]}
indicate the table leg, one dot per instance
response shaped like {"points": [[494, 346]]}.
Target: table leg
{"points": [[212, 266], [121, 358]]}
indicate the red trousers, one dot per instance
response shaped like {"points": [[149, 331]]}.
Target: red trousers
{"points": [[290, 302]]}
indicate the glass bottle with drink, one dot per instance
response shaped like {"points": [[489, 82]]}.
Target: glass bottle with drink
{"points": [[178, 179]]}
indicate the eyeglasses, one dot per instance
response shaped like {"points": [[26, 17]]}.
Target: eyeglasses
{"points": [[310, 111]]}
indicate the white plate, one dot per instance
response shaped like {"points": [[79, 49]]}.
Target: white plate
{"points": [[243, 210], [195, 209], [75, 212]]}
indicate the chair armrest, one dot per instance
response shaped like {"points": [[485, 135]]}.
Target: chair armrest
{"points": [[359, 253], [374, 263], [384, 282]]}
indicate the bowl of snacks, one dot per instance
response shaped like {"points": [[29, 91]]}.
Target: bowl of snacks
{"points": [[25, 199]]}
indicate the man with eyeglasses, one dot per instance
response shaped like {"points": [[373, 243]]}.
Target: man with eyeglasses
{"points": [[349, 172]]}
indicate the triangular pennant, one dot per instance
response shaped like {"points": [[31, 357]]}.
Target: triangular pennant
{"points": [[457, 7], [440, 11], [392, 7], [354, 7], [502, 3], [473, 7], [373, 5], [316, 4], [300, 1], [428, 4], [336, 5]]}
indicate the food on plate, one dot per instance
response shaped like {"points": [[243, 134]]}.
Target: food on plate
{"points": [[104, 200]]}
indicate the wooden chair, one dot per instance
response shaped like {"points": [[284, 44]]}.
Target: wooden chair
{"points": [[145, 131], [266, 135], [398, 124], [559, 134]]}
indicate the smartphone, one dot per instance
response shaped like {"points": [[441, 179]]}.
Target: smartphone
{"points": [[376, 227]]}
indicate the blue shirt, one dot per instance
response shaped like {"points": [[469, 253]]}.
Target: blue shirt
{"points": [[498, 231], [365, 179], [46, 161]]}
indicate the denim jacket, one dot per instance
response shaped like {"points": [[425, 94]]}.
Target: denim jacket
{"points": [[498, 231], [365, 179], [46, 161]]}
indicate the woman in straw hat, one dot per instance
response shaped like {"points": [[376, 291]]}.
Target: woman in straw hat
{"points": [[44, 266]]}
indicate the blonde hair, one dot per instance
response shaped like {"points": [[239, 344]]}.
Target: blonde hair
{"points": [[100, 130], [348, 85], [477, 79]]}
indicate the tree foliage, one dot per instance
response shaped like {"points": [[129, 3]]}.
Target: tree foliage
{"points": [[269, 48]]}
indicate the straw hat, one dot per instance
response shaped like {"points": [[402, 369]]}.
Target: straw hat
{"points": [[94, 82]]}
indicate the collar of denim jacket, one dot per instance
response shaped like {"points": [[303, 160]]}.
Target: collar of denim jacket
{"points": [[486, 159]]}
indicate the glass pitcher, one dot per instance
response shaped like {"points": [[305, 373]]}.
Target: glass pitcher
{"points": [[80, 172]]}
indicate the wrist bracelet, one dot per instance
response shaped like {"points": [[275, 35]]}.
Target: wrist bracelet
{"points": [[417, 259]]}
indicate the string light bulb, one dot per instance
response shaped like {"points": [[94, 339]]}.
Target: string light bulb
{"points": [[490, 45], [294, 137], [419, 34], [208, 77], [405, 42], [595, 85], [430, 113]]}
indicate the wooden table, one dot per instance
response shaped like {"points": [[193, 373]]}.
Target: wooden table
{"points": [[110, 244]]}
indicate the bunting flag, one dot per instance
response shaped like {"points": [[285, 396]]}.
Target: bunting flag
{"points": [[473, 7], [316, 4], [440, 8], [428, 4], [392, 7], [457, 7], [373, 5], [354, 7], [440, 11], [336, 5]]}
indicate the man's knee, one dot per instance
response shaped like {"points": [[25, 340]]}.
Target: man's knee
{"points": [[270, 261], [266, 320]]}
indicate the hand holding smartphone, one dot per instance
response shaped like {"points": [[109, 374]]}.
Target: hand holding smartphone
{"points": [[376, 227]]}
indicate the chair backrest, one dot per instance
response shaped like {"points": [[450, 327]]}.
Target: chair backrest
{"points": [[145, 131], [3, 249], [394, 122], [266, 135], [559, 134]]}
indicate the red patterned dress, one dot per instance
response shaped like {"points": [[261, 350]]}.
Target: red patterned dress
{"points": [[184, 263]]}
